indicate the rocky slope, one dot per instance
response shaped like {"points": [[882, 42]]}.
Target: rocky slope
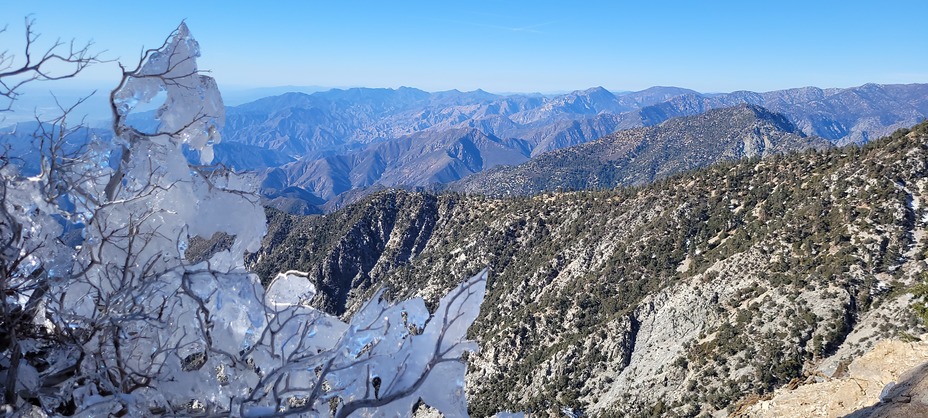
{"points": [[682, 298], [640, 156]]}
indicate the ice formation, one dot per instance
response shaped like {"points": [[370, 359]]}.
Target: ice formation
{"points": [[148, 332]]}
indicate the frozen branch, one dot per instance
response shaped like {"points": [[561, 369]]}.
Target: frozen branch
{"points": [[60, 60]]}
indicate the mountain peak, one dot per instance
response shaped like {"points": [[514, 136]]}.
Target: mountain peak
{"points": [[742, 116], [597, 90], [666, 90]]}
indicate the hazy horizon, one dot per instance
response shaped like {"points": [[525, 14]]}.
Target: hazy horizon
{"points": [[508, 47], [81, 86]]}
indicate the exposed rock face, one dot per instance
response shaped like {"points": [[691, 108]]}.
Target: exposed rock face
{"points": [[679, 298], [908, 398], [891, 380]]}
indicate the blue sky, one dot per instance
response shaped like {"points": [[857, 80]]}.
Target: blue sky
{"points": [[509, 46]]}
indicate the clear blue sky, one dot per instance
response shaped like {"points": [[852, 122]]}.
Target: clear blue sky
{"points": [[509, 46]]}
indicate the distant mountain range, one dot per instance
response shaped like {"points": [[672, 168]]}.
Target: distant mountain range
{"points": [[317, 149]]}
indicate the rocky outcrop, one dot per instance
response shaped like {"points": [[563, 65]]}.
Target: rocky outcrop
{"points": [[908, 398], [891, 380]]}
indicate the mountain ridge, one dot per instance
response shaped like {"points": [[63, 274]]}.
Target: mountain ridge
{"points": [[642, 155], [684, 296]]}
